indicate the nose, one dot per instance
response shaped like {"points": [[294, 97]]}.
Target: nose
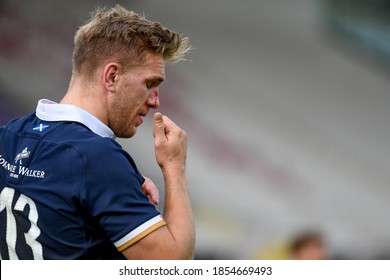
{"points": [[153, 100]]}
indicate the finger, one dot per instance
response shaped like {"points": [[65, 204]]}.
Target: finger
{"points": [[153, 199], [169, 126], [151, 191], [154, 196], [159, 127]]}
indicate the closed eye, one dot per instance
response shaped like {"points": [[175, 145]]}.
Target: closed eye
{"points": [[149, 84], [153, 83]]}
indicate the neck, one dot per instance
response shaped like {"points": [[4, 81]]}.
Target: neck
{"points": [[87, 97]]}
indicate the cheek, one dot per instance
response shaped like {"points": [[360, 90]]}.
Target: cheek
{"points": [[127, 104], [119, 111], [125, 111]]}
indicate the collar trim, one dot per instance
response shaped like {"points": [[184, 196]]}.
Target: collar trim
{"points": [[48, 110]]}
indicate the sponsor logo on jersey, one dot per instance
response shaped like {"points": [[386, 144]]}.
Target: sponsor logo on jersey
{"points": [[16, 171], [24, 154]]}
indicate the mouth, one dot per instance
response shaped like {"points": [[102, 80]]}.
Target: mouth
{"points": [[140, 118]]}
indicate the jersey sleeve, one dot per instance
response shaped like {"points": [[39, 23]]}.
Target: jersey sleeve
{"points": [[114, 197]]}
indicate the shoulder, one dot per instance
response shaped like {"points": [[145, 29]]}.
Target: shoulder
{"points": [[18, 124], [81, 138], [101, 155]]}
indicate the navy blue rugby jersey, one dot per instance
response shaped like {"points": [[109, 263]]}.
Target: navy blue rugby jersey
{"points": [[67, 189]]}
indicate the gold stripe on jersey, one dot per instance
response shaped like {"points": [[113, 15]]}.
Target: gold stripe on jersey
{"points": [[141, 235]]}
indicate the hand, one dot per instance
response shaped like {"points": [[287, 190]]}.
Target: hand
{"points": [[170, 143], [176, 239], [151, 191]]}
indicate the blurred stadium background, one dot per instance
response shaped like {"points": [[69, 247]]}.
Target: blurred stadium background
{"points": [[286, 104]]}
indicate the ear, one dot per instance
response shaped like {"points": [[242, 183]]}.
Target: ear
{"points": [[110, 76]]}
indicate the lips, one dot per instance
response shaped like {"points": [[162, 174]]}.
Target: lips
{"points": [[140, 118], [142, 114]]}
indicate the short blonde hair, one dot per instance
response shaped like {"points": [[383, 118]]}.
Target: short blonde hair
{"points": [[123, 36]]}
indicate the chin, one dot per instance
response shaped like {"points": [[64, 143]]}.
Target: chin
{"points": [[126, 134], [125, 130]]}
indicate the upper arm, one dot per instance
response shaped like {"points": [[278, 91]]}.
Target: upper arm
{"points": [[159, 244], [115, 201]]}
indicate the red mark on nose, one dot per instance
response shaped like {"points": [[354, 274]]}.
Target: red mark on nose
{"points": [[156, 101]]}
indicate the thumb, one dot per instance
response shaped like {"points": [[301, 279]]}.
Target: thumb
{"points": [[159, 127]]}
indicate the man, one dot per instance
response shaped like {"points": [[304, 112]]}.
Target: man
{"points": [[68, 190], [308, 246]]}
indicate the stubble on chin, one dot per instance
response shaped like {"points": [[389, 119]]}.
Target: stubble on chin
{"points": [[126, 132]]}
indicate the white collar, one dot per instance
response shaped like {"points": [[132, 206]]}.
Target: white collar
{"points": [[50, 111]]}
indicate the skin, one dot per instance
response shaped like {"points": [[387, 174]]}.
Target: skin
{"points": [[120, 98], [312, 250], [150, 189]]}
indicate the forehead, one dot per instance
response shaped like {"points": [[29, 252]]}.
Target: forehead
{"points": [[153, 66]]}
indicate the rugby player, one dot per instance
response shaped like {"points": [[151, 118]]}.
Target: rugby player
{"points": [[68, 190]]}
